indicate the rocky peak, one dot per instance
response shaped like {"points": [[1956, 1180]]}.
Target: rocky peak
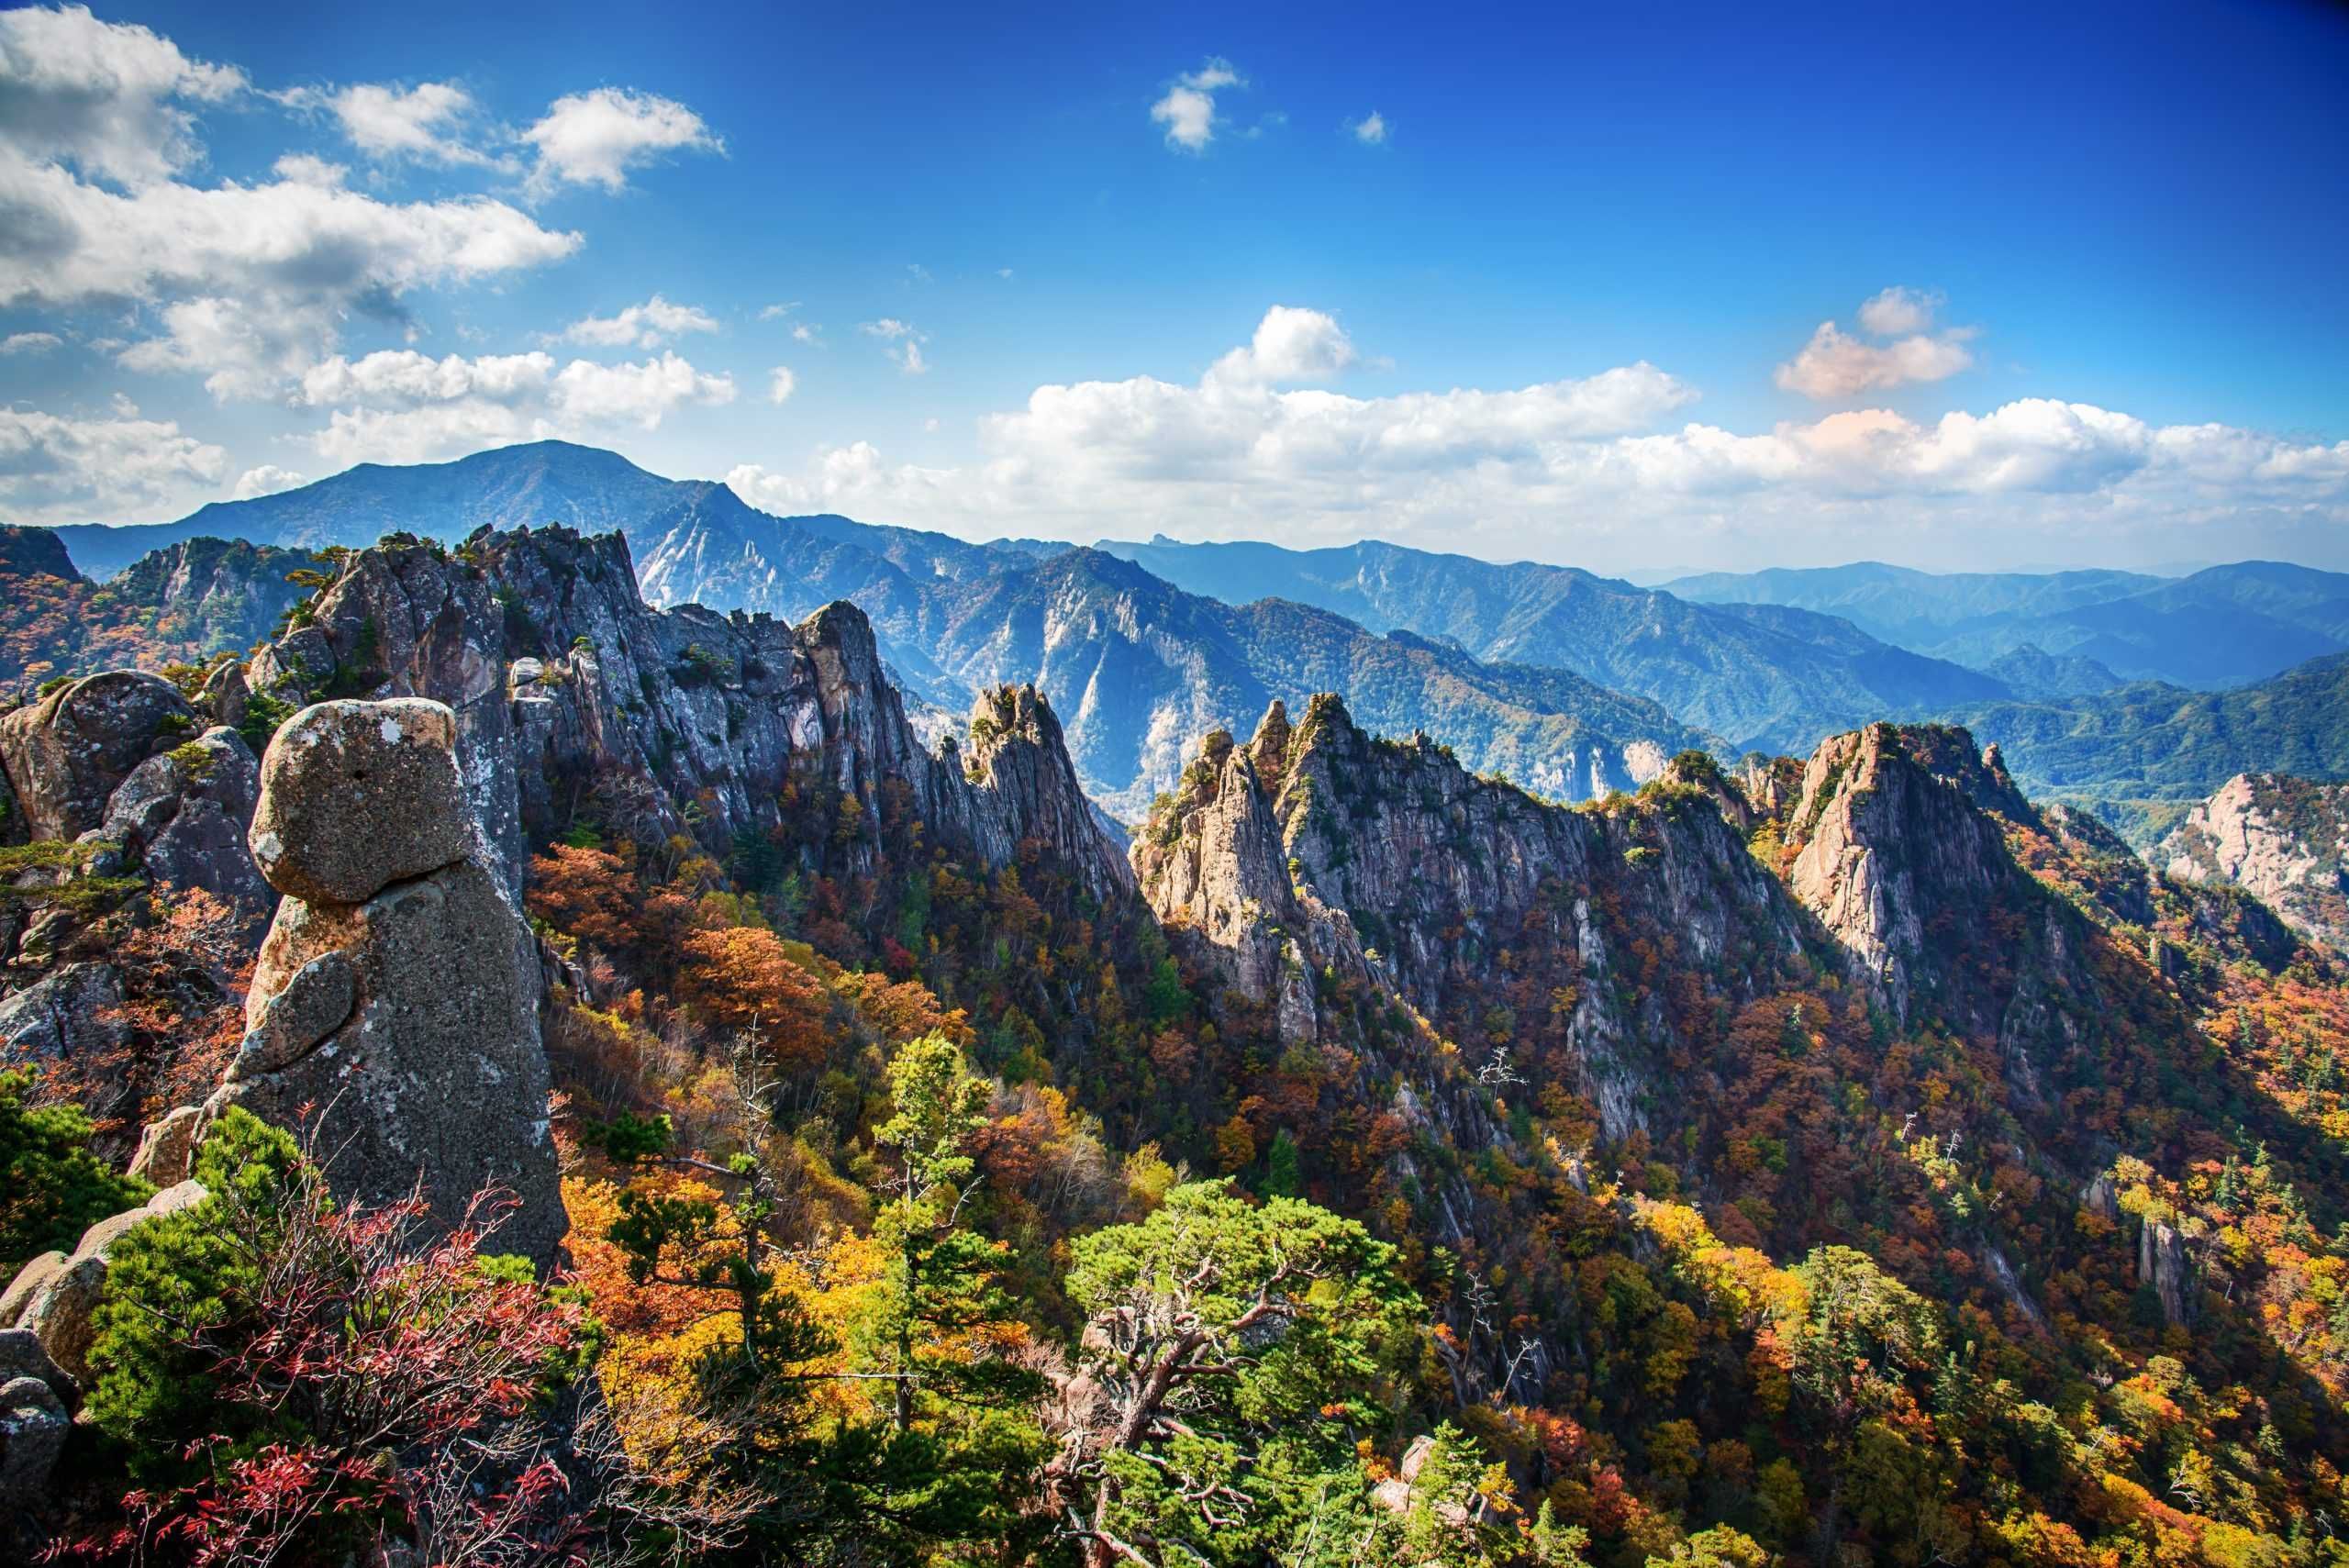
{"points": [[575, 702], [2283, 840], [26, 552], [1320, 850], [1902, 856]]}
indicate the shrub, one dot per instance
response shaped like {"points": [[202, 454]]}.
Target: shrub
{"points": [[54, 1187]]}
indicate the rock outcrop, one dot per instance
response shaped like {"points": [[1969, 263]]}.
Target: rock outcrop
{"points": [[65, 754], [576, 701], [182, 816], [1315, 859], [2282, 839], [1903, 858], [392, 1012]]}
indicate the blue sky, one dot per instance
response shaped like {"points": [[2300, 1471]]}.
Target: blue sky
{"points": [[1627, 286]]}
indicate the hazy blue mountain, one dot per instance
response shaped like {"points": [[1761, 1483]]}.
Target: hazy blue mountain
{"points": [[1769, 677], [2154, 741], [2219, 627], [1915, 609], [2036, 675], [585, 487], [1137, 668]]}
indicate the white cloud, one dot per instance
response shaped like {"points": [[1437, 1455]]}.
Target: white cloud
{"points": [[646, 326], [904, 341], [1188, 110], [777, 312], [30, 342], [596, 137], [67, 470], [1578, 469], [106, 98], [308, 168], [641, 394], [1290, 344], [266, 480], [403, 375], [248, 282], [1834, 364], [1896, 311], [805, 332], [1370, 130], [781, 383], [430, 122], [398, 405]]}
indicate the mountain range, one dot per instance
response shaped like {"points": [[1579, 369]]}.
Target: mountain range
{"points": [[2110, 688]]}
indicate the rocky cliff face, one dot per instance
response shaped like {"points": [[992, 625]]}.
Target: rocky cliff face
{"points": [[1453, 950], [1900, 833], [2284, 841], [1378, 902], [576, 700]]}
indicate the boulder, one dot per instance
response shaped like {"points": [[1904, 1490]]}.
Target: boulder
{"points": [[61, 1309], [357, 796], [18, 1297], [407, 1028], [21, 1355], [65, 754], [73, 1015], [33, 1429], [313, 1003], [224, 695], [167, 1148], [183, 815]]}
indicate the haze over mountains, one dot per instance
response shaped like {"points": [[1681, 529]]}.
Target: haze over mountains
{"points": [[2102, 686]]}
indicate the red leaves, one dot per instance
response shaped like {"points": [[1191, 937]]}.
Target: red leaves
{"points": [[401, 1369]]}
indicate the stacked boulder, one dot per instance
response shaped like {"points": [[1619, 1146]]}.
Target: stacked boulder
{"points": [[392, 1015]]}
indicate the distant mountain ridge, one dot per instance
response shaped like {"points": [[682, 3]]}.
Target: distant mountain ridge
{"points": [[1139, 668], [2149, 741], [1770, 677], [2222, 626]]}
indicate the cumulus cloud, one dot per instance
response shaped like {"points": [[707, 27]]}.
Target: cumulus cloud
{"points": [[781, 383], [266, 480], [60, 469], [109, 99], [1896, 311], [1370, 130], [399, 405], [1290, 345], [1835, 364], [431, 122], [597, 138], [30, 342], [646, 326], [1187, 109], [805, 332], [248, 281], [1584, 470]]}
